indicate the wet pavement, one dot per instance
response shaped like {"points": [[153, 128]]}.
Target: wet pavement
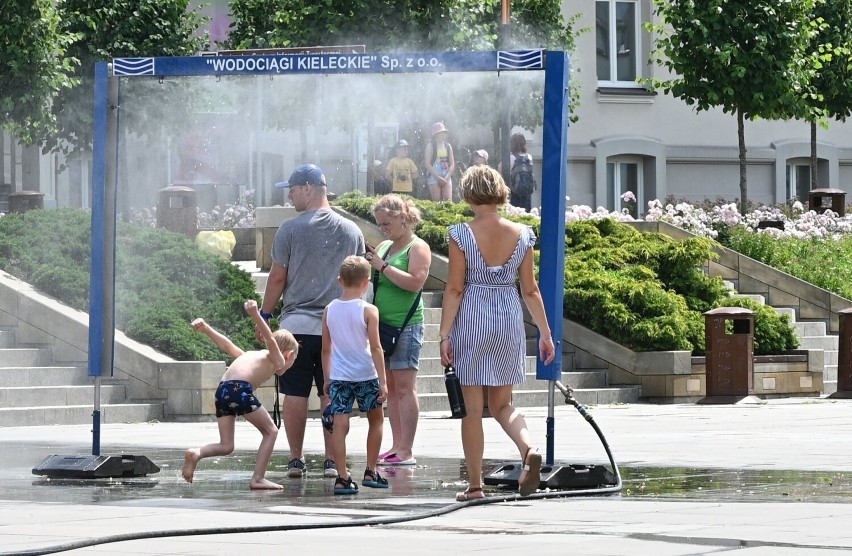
{"points": [[773, 479]]}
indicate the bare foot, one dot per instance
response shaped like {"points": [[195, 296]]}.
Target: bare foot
{"points": [[190, 461], [265, 484]]}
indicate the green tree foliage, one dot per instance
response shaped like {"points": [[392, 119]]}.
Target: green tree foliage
{"points": [[107, 29], [831, 51], [410, 25], [34, 66], [163, 281], [748, 57]]}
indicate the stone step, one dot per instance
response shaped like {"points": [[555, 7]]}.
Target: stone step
{"points": [[826, 343], [79, 414], [759, 298], [813, 328], [433, 382], [24, 357], [829, 374], [44, 376], [34, 396], [7, 339], [789, 311], [538, 398]]}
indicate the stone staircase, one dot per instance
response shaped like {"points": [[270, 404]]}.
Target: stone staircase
{"points": [[36, 390], [590, 385], [811, 335], [814, 335]]}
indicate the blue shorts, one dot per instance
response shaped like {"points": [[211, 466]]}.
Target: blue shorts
{"points": [[407, 352], [235, 397], [306, 369], [344, 393]]}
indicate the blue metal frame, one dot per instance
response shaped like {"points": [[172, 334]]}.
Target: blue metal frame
{"points": [[99, 171], [554, 166], [551, 269]]}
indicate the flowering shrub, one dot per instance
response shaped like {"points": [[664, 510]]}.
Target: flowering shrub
{"points": [[236, 215]]}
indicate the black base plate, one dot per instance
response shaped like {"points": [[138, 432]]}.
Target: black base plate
{"points": [[95, 467], [557, 476]]}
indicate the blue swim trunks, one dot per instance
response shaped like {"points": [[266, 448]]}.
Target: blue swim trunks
{"points": [[343, 393], [235, 397]]}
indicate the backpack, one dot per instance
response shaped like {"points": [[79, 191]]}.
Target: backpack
{"points": [[521, 178]]}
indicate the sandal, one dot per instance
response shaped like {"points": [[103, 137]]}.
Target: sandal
{"points": [[345, 486], [372, 479], [532, 466], [465, 496]]}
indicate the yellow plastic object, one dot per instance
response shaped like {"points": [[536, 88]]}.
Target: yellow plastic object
{"points": [[220, 242]]}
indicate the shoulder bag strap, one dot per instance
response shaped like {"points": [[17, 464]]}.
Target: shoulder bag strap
{"points": [[376, 287]]}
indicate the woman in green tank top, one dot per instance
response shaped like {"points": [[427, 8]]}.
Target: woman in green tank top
{"points": [[402, 266]]}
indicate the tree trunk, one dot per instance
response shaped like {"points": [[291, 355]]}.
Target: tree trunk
{"points": [[814, 181], [743, 171]]}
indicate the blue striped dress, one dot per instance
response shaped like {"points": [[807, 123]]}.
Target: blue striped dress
{"points": [[488, 338]]}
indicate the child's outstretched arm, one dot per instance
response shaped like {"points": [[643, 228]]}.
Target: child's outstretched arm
{"points": [[222, 342], [276, 358]]}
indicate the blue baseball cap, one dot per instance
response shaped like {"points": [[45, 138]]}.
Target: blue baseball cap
{"points": [[307, 174]]}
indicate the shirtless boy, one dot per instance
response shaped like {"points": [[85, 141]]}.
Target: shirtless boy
{"points": [[235, 394]]}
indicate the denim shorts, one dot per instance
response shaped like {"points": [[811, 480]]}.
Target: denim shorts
{"points": [[407, 352]]}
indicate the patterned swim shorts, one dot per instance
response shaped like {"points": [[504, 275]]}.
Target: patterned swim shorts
{"points": [[235, 397]]}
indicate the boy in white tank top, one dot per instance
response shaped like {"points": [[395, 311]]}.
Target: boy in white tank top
{"points": [[354, 366]]}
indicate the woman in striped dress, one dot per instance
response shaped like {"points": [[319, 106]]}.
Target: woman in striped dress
{"points": [[482, 328]]}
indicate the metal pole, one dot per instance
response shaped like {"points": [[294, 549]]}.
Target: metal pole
{"points": [[102, 282], [553, 192]]}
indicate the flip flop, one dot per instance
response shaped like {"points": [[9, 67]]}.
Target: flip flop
{"points": [[394, 459], [386, 454], [532, 466]]}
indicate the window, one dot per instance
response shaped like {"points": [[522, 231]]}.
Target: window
{"points": [[798, 181], [624, 180], [617, 39]]}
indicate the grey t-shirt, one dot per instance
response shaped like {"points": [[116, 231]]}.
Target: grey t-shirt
{"points": [[312, 246]]}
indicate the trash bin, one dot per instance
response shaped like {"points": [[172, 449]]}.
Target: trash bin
{"points": [[176, 210], [844, 355], [22, 201], [729, 354], [820, 200]]}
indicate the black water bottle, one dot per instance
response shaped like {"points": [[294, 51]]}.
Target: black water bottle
{"points": [[454, 392]]}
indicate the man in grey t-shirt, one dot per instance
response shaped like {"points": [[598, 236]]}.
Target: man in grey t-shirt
{"points": [[306, 257]]}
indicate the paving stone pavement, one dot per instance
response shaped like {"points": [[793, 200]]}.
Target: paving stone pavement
{"points": [[722, 465]]}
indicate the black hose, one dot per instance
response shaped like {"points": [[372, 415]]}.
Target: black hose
{"points": [[351, 523]]}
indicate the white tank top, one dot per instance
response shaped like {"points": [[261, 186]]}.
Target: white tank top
{"points": [[350, 346]]}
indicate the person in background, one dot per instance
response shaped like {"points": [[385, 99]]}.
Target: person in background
{"points": [[518, 147], [440, 164], [306, 254], [401, 170], [480, 157], [482, 324], [402, 266], [235, 394], [353, 361]]}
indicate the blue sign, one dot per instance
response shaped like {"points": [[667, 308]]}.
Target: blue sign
{"points": [[280, 64]]}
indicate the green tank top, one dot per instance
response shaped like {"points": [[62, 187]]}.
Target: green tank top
{"points": [[394, 302]]}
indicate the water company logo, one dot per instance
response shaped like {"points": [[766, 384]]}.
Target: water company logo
{"points": [[520, 59], [133, 66]]}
